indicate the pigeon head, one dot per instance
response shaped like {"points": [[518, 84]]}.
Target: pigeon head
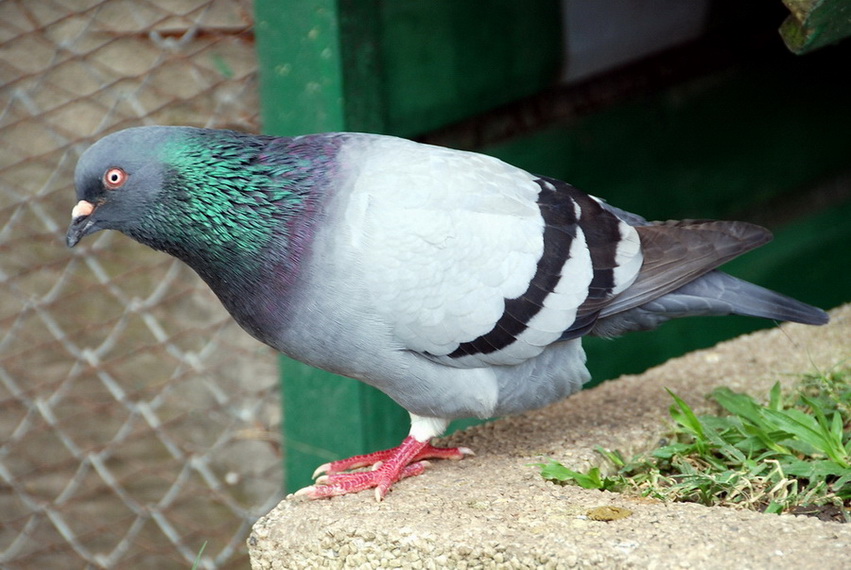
{"points": [[201, 195], [118, 181], [229, 204]]}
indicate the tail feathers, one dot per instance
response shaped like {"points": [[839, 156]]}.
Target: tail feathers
{"points": [[715, 293], [680, 252], [745, 298]]}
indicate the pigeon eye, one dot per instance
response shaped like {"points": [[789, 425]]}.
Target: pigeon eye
{"points": [[114, 178]]}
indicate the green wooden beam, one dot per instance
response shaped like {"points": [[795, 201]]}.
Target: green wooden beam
{"points": [[301, 86], [815, 23], [445, 60]]}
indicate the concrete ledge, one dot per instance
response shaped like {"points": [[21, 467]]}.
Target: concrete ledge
{"points": [[494, 511]]}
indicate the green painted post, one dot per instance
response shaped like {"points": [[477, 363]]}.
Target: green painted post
{"points": [[813, 24], [317, 73]]}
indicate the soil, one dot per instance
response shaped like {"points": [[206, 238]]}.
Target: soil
{"points": [[494, 510]]}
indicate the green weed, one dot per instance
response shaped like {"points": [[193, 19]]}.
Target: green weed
{"points": [[198, 556], [791, 454]]}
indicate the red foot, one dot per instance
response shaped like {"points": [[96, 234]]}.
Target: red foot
{"points": [[390, 465]]}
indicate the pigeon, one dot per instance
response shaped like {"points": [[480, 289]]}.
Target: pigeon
{"points": [[457, 284]]}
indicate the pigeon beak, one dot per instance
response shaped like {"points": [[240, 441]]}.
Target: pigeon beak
{"points": [[80, 222]]}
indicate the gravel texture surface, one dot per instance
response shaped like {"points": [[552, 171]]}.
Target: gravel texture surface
{"points": [[493, 510]]}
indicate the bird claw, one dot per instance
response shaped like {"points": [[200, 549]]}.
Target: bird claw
{"points": [[386, 468], [377, 458], [345, 483], [320, 470]]}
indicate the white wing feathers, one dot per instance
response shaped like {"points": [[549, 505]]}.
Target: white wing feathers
{"points": [[445, 238]]}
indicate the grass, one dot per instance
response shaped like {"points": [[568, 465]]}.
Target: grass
{"points": [[791, 454], [198, 556]]}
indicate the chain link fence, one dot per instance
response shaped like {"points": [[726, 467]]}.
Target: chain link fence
{"points": [[137, 421]]}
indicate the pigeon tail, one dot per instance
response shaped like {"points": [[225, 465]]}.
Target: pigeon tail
{"points": [[716, 293]]}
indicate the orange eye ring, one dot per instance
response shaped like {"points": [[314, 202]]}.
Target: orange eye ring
{"points": [[114, 178]]}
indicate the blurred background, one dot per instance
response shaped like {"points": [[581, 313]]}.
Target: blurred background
{"points": [[138, 422]]}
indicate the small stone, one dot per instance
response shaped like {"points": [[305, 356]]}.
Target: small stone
{"points": [[607, 513]]}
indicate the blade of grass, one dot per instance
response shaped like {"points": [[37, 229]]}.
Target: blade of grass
{"points": [[775, 397], [555, 471], [198, 556], [809, 430], [685, 416]]}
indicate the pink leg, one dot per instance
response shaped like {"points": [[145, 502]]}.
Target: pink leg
{"points": [[390, 465]]}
